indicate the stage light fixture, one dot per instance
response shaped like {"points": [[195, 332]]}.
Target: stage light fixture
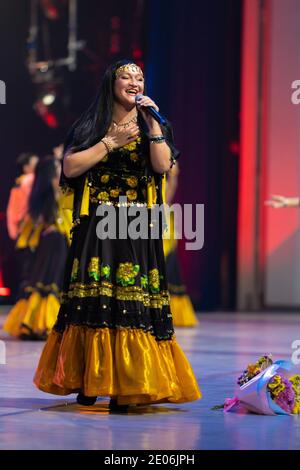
{"points": [[52, 102], [49, 98], [53, 9]]}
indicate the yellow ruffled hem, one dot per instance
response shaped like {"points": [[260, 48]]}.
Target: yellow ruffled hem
{"points": [[128, 364], [183, 312], [37, 313]]}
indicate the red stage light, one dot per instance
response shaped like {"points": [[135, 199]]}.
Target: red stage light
{"points": [[115, 22], [234, 147], [50, 119], [137, 53], [4, 292], [53, 9]]}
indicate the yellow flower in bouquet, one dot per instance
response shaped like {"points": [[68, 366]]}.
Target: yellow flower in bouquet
{"points": [[295, 380], [276, 386], [253, 369], [296, 409]]}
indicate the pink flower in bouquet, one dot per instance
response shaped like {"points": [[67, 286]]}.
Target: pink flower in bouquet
{"points": [[230, 403], [282, 392]]}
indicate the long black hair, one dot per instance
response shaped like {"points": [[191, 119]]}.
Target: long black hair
{"points": [[42, 201], [94, 123]]}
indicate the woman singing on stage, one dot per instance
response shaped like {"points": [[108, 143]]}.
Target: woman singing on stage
{"points": [[114, 333]]}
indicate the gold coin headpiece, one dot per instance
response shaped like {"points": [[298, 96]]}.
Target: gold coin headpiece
{"points": [[128, 68]]}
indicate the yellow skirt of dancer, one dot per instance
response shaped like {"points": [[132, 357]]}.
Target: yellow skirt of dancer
{"points": [[127, 363], [36, 314], [36, 311], [182, 310]]}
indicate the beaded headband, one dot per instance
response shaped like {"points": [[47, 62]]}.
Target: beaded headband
{"points": [[128, 68]]}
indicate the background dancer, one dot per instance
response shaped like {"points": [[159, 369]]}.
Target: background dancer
{"points": [[44, 232], [183, 312]]}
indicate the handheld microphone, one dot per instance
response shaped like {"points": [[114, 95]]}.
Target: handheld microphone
{"points": [[155, 114]]}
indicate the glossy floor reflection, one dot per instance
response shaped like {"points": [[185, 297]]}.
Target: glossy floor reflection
{"points": [[219, 349]]}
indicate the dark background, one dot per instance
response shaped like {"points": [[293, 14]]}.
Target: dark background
{"points": [[191, 52]]}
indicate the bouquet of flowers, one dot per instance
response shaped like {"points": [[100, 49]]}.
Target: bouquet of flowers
{"points": [[268, 388]]}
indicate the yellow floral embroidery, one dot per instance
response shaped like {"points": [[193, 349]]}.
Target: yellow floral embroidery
{"points": [[114, 192], [134, 156], [104, 178], [105, 158], [144, 281], [131, 194], [75, 268], [132, 145], [105, 271], [135, 293], [103, 196], [94, 268], [126, 274], [132, 181], [154, 280]]}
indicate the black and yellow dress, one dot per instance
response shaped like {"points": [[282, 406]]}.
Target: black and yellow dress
{"points": [[114, 334], [182, 309], [35, 312]]}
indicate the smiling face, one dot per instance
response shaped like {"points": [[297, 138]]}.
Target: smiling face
{"points": [[129, 83]]}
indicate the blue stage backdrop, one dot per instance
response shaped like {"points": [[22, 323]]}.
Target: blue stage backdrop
{"points": [[193, 71]]}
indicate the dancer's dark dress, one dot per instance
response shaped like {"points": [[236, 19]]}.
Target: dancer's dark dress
{"points": [[182, 308], [35, 312], [114, 334]]}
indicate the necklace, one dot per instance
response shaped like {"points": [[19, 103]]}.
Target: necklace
{"points": [[125, 124]]}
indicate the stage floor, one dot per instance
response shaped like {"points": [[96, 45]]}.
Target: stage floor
{"points": [[219, 349]]}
